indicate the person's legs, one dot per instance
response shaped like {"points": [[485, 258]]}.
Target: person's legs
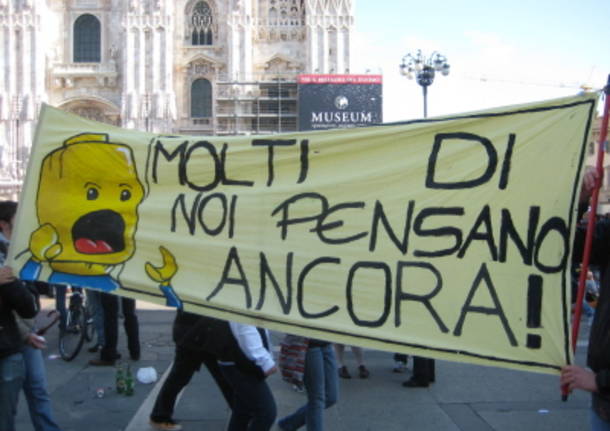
{"points": [[12, 375], [321, 384], [110, 305], [423, 372], [211, 363], [331, 383], [340, 352], [313, 378], [179, 376], [588, 311], [35, 389], [131, 327], [253, 403], [96, 311], [363, 373], [597, 423], [358, 355], [400, 362], [60, 303]]}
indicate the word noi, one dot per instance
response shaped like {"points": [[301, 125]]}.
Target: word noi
{"points": [[495, 231]]}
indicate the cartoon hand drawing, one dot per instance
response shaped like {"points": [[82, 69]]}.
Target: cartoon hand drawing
{"points": [[163, 275], [87, 208], [43, 243]]}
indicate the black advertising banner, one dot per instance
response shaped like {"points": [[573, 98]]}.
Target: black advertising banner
{"points": [[339, 101]]}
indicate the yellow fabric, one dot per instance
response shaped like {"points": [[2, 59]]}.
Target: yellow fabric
{"points": [[447, 238]]}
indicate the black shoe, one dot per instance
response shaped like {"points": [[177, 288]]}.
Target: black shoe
{"points": [[344, 373], [135, 356], [413, 383], [95, 348], [363, 373]]}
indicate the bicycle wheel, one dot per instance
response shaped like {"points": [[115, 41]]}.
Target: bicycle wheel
{"points": [[72, 337], [88, 326]]}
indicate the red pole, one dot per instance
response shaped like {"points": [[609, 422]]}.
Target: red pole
{"points": [[599, 167]]}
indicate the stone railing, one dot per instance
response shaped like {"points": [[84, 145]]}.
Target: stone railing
{"points": [[64, 75]]}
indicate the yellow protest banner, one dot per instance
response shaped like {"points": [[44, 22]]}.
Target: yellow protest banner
{"points": [[447, 237]]}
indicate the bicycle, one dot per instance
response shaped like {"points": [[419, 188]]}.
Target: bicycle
{"points": [[77, 328]]}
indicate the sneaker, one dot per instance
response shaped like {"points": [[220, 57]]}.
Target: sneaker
{"points": [[165, 425], [344, 373], [95, 348], [363, 373], [399, 367]]}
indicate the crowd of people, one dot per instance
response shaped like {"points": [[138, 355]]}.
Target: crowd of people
{"points": [[238, 356]]}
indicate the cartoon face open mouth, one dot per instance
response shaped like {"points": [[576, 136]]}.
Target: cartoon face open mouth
{"points": [[99, 232]]}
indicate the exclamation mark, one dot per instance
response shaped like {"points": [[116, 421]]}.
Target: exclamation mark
{"points": [[534, 307]]}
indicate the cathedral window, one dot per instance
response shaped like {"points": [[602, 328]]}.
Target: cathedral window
{"points": [[201, 22], [87, 39], [201, 99]]}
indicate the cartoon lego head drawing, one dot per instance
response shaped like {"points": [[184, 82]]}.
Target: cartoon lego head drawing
{"points": [[89, 193]]}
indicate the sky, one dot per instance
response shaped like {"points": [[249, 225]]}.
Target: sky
{"points": [[501, 52]]}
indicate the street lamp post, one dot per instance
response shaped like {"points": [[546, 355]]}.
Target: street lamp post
{"points": [[423, 69]]}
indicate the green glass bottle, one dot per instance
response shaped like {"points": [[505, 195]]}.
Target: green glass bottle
{"points": [[129, 382], [120, 380]]}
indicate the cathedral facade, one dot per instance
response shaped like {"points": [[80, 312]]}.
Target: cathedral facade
{"points": [[199, 67]]}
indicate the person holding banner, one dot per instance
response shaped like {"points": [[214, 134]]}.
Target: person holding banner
{"points": [[596, 378]]}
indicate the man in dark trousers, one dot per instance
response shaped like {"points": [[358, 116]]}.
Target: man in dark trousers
{"points": [[110, 306], [423, 373], [189, 334]]}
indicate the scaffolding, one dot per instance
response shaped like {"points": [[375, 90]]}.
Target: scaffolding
{"points": [[250, 108]]}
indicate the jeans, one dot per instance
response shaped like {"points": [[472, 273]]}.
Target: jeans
{"points": [[253, 403], [35, 389], [321, 383], [186, 362], [12, 375], [587, 309], [598, 424], [94, 302]]}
